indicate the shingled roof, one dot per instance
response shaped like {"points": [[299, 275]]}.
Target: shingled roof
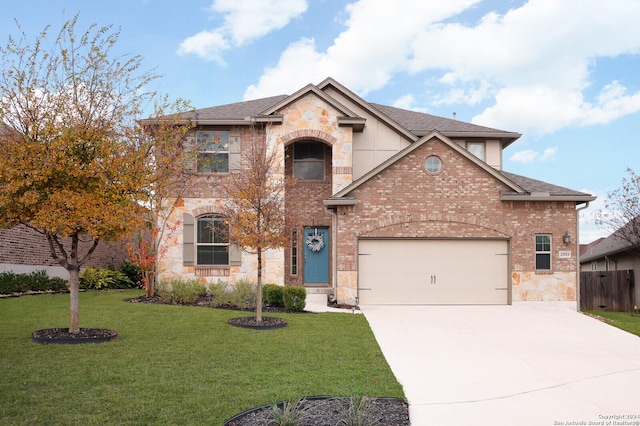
{"points": [[623, 240], [235, 111], [533, 186], [415, 123], [421, 124]]}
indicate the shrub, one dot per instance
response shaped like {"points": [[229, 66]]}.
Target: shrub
{"points": [[294, 298], [272, 295], [187, 291], [290, 413], [243, 294], [10, 282], [220, 293], [180, 291], [359, 412], [101, 279], [133, 272]]}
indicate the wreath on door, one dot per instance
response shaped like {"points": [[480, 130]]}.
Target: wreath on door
{"points": [[315, 242]]}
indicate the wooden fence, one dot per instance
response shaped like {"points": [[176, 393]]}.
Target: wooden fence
{"points": [[608, 290]]}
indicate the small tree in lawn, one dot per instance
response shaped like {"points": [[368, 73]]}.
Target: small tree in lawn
{"points": [[255, 209], [72, 158], [621, 215]]}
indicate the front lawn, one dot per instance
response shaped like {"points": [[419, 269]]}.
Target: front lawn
{"points": [[175, 364], [622, 320]]}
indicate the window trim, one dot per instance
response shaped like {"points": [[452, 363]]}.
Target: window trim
{"points": [[484, 149], [428, 167], [199, 244], [220, 136], [294, 253], [544, 252]]}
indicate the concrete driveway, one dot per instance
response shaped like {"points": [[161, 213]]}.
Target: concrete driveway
{"points": [[532, 363]]}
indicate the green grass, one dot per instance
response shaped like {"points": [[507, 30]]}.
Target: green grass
{"points": [[175, 364], [622, 320]]}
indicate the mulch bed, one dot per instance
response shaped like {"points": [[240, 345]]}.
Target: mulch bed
{"points": [[62, 336], [268, 323], [204, 301], [324, 411]]}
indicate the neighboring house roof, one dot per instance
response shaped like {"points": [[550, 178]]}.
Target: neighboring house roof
{"points": [[615, 243]]}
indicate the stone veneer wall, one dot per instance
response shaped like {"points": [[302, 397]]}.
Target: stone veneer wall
{"points": [[462, 201], [311, 118], [202, 198], [170, 265]]}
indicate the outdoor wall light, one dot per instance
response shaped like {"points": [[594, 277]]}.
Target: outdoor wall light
{"points": [[566, 238]]}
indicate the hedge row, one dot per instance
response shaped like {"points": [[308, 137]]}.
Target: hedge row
{"points": [[293, 299], [10, 282]]}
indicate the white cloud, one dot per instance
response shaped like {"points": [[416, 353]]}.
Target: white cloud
{"points": [[526, 156], [205, 44], [408, 102], [549, 154], [366, 55], [244, 21], [533, 65]]}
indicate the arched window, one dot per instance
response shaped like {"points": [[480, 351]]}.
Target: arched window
{"points": [[212, 242], [308, 160]]}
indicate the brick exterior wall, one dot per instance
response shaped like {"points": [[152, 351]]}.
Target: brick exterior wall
{"points": [[461, 201], [306, 201], [21, 245]]}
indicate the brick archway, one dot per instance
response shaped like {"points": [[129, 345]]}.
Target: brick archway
{"points": [[391, 222], [314, 134]]}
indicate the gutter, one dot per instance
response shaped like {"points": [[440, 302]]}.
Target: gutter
{"points": [[578, 253], [334, 248], [540, 196]]}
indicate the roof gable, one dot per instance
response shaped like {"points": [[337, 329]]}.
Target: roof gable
{"points": [[310, 88], [410, 124], [343, 194]]}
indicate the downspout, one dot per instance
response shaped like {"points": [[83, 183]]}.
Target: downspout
{"points": [[334, 250], [578, 254]]}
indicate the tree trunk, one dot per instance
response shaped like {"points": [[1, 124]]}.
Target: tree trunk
{"points": [[149, 279], [74, 309], [259, 289]]}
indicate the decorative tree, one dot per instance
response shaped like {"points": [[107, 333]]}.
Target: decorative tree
{"points": [[170, 174], [73, 164], [255, 207], [621, 215]]}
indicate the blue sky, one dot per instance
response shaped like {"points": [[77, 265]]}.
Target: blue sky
{"points": [[564, 73]]}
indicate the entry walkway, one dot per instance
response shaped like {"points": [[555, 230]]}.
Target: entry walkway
{"points": [[533, 363]]}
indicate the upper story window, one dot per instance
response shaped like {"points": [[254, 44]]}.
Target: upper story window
{"points": [[477, 149], [308, 160], [433, 164], [213, 152], [212, 244], [543, 252]]}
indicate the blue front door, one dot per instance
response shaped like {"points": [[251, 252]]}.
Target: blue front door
{"points": [[316, 256]]}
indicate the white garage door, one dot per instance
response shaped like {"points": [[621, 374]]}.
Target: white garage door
{"points": [[433, 272]]}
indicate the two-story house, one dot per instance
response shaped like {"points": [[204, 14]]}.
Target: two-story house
{"points": [[397, 207]]}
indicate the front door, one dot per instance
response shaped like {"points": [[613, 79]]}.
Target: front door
{"points": [[316, 256]]}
